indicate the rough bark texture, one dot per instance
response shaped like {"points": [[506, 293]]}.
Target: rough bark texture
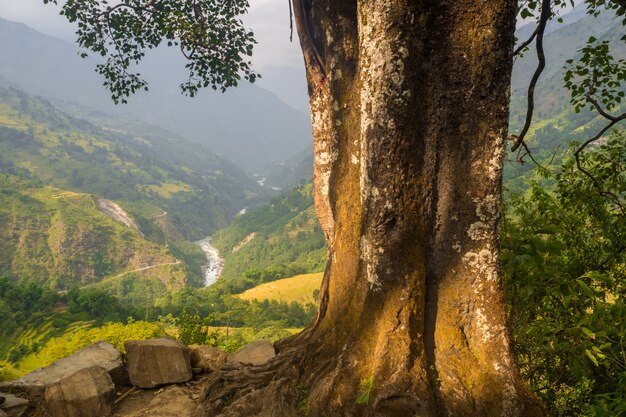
{"points": [[409, 104]]}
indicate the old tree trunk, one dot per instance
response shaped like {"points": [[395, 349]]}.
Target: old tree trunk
{"points": [[409, 105]]}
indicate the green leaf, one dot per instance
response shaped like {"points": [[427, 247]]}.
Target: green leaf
{"points": [[591, 357], [585, 288]]}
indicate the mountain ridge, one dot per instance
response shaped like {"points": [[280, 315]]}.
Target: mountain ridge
{"points": [[248, 125]]}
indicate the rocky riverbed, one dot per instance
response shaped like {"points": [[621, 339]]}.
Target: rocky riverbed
{"points": [[215, 264]]}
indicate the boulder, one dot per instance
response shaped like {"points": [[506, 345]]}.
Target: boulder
{"points": [[86, 393], [255, 353], [157, 362], [101, 353], [13, 406], [206, 357]]}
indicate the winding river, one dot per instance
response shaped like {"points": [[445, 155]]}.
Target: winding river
{"points": [[213, 268]]}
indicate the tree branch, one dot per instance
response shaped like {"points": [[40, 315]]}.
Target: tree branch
{"points": [[546, 12], [527, 42], [290, 21], [613, 120], [309, 48]]}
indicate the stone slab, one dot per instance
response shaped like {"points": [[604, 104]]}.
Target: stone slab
{"points": [[255, 353], [14, 406], [157, 362], [100, 353], [87, 393], [206, 357]]}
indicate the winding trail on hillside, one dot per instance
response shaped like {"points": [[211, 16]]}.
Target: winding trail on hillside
{"points": [[160, 215], [144, 268]]}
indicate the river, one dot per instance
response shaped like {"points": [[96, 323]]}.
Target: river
{"points": [[214, 265]]}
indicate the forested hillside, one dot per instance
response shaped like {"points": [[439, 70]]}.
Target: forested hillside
{"points": [[277, 240], [555, 122], [60, 239], [158, 177]]}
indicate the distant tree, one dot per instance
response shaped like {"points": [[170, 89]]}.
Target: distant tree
{"points": [[409, 105]]}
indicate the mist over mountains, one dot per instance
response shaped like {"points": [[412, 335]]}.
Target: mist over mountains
{"points": [[248, 124]]}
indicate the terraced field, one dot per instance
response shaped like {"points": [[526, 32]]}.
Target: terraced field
{"points": [[299, 288]]}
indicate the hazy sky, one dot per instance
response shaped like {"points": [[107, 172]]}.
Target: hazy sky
{"points": [[269, 19]]}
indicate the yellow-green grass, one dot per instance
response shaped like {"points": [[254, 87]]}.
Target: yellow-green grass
{"points": [[299, 288], [167, 189]]}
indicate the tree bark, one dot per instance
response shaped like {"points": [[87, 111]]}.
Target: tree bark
{"points": [[409, 104]]}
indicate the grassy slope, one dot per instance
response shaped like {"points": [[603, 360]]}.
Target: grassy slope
{"points": [[149, 173], [299, 289], [59, 239], [277, 240]]}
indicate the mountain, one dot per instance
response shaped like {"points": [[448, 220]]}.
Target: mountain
{"points": [[247, 124], [555, 123], [561, 42], [60, 239], [288, 83], [294, 171], [159, 177]]}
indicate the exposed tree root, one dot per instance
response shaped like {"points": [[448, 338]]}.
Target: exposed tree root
{"points": [[303, 381], [246, 390]]}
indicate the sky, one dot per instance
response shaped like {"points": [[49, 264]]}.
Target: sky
{"points": [[269, 19]]}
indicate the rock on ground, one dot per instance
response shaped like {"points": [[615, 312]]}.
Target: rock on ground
{"points": [[86, 393], [255, 353], [101, 354], [206, 357], [13, 406], [157, 362]]}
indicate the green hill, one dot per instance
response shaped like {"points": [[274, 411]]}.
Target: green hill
{"points": [[277, 240], [555, 124], [158, 177], [60, 240], [247, 125]]}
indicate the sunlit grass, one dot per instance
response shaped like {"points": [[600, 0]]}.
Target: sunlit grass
{"points": [[299, 288]]}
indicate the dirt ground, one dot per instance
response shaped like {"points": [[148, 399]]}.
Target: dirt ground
{"points": [[170, 401]]}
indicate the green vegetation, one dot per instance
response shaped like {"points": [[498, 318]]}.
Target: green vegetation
{"points": [[274, 241], [565, 278], [190, 329], [55, 239], [555, 121], [149, 172], [365, 390], [75, 339], [31, 316], [40, 325], [222, 309], [61, 240]]}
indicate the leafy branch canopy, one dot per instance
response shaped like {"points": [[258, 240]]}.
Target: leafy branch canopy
{"points": [[209, 33]]}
